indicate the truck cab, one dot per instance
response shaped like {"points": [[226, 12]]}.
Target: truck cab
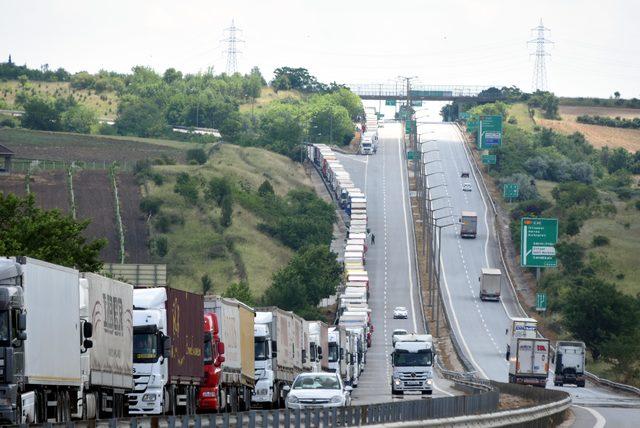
{"points": [[412, 362], [151, 350], [265, 354], [208, 395], [569, 361]]}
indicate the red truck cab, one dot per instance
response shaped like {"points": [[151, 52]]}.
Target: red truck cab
{"points": [[213, 359]]}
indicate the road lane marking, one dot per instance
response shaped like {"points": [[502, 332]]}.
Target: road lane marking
{"points": [[406, 234], [600, 420]]}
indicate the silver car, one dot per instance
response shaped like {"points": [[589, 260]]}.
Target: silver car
{"points": [[317, 390]]}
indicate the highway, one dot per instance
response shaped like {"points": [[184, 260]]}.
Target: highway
{"points": [[390, 261], [481, 326]]}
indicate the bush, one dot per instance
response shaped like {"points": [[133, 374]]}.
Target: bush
{"points": [[160, 246], [240, 291], [600, 241], [8, 122], [187, 187], [164, 221], [150, 205], [196, 155], [227, 211], [637, 204]]}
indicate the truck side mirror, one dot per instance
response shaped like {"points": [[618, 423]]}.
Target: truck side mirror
{"points": [[87, 344], [304, 355], [166, 346], [274, 346], [22, 322], [507, 355], [22, 335], [319, 353], [220, 348], [87, 329]]}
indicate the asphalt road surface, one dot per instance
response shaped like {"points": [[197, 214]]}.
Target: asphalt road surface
{"points": [[390, 261], [481, 326]]}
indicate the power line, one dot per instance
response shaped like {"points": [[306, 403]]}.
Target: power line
{"points": [[232, 40], [539, 68]]}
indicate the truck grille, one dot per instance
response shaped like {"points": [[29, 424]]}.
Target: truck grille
{"points": [[413, 377]]}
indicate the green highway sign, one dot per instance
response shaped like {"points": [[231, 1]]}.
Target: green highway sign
{"points": [[404, 114], [411, 155], [380, 115], [472, 125], [538, 237], [390, 102], [541, 302], [489, 159], [489, 131], [510, 191], [416, 103]]}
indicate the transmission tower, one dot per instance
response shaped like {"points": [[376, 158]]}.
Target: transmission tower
{"points": [[232, 40], [539, 69]]}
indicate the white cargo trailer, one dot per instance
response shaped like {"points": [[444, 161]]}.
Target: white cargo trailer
{"points": [[107, 367]]}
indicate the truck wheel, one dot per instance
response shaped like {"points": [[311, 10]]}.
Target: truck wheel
{"points": [[581, 384]]}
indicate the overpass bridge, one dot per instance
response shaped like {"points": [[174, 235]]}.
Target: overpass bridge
{"points": [[393, 91]]}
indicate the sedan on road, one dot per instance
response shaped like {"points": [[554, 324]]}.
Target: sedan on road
{"points": [[466, 187], [400, 312], [318, 390]]}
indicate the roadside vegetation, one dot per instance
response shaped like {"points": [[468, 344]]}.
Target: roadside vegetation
{"points": [[593, 294], [294, 108]]}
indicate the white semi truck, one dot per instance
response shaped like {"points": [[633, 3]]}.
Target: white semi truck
{"points": [[339, 357], [168, 358], [569, 361], [318, 345], [279, 354], [41, 341], [490, 284], [107, 367], [528, 354], [412, 362]]}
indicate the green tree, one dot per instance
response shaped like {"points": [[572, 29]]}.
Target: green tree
{"points": [[330, 121], [217, 189], [46, 235], [198, 156], [171, 75], [41, 113], [294, 78], [187, 187], [78, 119], [206, 282], [227, 211], [595, 312], [139, 117], [312, 274], [265, 189], [241, 292], [571, 256], [350, 101], [150, 205]]}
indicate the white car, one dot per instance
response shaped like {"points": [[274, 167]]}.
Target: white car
{"points": [[397, 332], [400, 312], [466, 187], [317, 390]]}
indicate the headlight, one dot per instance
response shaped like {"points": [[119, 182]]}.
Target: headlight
{"points": [[336, 399], [429, 382], [397, 382], [292, 398], [149, 397]]}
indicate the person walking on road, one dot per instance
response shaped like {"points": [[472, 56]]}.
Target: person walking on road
{"points": [[373, 239]]}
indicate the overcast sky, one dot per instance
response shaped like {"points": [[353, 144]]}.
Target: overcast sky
{"points": [[461, 42]]}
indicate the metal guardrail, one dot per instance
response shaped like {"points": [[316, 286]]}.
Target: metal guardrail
{"points": [[611, 384], [371, 414], [25, 165]]}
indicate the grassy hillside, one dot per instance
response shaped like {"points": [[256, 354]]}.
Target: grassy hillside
{"points": [[83, 147], [105, 104], [198, 245], [521, 112], [267, 95], [598, 136]]}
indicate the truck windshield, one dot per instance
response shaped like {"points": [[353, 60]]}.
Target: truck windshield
{"points": [[5, 331], [407, 359], [145, 347], [208, 351], [333, 352], [261, 349]]}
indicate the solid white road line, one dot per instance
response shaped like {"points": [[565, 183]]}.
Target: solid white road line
{"points": [[600, 420], [406, 234]]}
